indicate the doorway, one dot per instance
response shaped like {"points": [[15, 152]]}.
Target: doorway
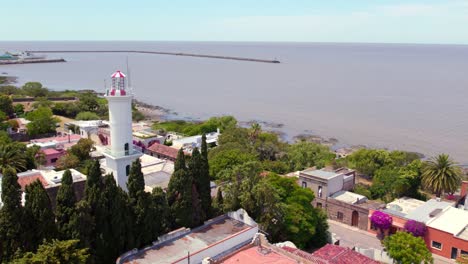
{"points": [[454, 254], [355, 218]]}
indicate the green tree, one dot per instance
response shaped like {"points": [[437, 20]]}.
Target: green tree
{"points": [[82, 149], [65, 206], [219, 202], [88, 102], [34, 157], [68, 161], [11, 215], [161, 210], [35, 89], [42, 121], [56, 251], [11, 156], [224, 157], [199, 184], [204, 184], [406, 249], [39, 215], [18, 109], [6, 105], [307, 154], [179, 193], [136, 181], [441, 174], [87, 116], [83, 224], [42, 102]]}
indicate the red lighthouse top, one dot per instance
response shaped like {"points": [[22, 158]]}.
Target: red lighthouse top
{"points": [[118, 85]]}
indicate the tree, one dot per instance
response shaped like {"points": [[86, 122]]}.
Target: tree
{"points": [[198, 184], [368, 161], [12, 157], [416, 228], [441, 174], [136, 181], [18, 109], [11, 215], [219, 202], [65, 206], [179, 193], [68, 161], [406, 249], [82, 149], [38, 215], [307, 154], [34, 157], [35, 89], [161, 210], [56, 251], [87, 116], [88, 102], [42, 121], [6, 105], [83, 224], [222, 158], [41, 102], [204, 184]]}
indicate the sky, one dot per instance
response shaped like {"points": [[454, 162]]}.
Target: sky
{"points": [[375, 21]]}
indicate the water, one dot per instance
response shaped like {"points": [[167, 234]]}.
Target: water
{"points": [[411, 97]]}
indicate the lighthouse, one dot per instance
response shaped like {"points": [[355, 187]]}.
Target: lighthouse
{"points": [[121, 153]]}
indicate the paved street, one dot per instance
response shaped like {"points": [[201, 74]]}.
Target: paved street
{"points": [[350, 237]]}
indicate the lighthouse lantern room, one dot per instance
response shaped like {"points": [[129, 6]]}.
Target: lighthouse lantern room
{"points": [[121, 153]]}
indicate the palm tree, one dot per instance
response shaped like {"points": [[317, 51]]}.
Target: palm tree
{"points": [[441, 174], [256, 128], [11, 157]]}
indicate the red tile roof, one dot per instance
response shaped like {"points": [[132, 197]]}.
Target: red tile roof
{"points": [[23, 181], [163, 150], [341, 255], [255, 255], [305, 255]]}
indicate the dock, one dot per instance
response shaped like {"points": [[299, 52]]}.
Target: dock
{"points": [[25, 61], [159, 53]]}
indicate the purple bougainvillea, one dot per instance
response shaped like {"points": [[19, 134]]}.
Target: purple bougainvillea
{"points": [[381, 220], [416, 228]]}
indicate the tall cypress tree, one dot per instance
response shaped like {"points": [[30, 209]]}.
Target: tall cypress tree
{"points": [[65, 207], [204, 186], [38, 212], [136, 181], [114, 237], [83, 224], [219, 202], [10, 216], [93, 185], [195, 170], [161, 209], [180, 193]]}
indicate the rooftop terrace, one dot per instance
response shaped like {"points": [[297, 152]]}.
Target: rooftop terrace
{"points": [[319, 174]]}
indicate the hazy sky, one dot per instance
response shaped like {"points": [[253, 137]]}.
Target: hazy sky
{"points": [[400, 21]]}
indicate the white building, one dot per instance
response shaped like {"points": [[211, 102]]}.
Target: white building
{"points": [[121, 153], [195, 141]]}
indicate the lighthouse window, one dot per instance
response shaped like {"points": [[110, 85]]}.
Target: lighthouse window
{"points": [[126, 149], [127, 170]]}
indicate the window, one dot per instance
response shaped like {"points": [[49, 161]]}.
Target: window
{"points": [[320, 191], [372, 226], [53, 160], [126, 149], [127, 170], [319, 205], [437, 245], [304, 184], [463, 252], [339, 215]]}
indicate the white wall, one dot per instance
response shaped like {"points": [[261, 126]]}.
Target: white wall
{"points": [[335, 184]]}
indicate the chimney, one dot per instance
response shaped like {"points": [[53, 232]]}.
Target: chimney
{"points": [[464, 188]]}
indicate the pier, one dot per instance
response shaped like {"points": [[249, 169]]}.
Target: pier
{"points": [[159, 53], [25, 61]]}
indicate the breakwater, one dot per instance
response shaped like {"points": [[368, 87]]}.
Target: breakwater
{"points": [[25, 61], [159, 53]]}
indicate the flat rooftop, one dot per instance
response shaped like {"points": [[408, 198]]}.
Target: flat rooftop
{"points": [[453, 221], [257, 255], [198, 239], [349, 197], [404, 205], [422, 213], [319, 174]]}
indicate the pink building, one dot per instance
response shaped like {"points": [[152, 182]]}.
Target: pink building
{"points": [[52, 155]]}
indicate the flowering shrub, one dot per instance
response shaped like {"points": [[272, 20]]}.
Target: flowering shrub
{"points": [[381, 220], [416, 228]]}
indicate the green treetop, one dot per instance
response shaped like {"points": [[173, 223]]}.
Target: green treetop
{"points": [[56, 251], [406, 249], [441, 174], [11, 215], [42, 121], [65, 206], [136, 181]]}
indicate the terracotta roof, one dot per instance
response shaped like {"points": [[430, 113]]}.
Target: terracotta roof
{"points": [[50, 151], [341, 255], [257, 255], [164, 150], [23, 181]]}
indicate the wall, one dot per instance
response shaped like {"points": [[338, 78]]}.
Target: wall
{"points": [[78, 187], [334, 206], [335, 184], [313, 185], [448, 241], [397, 224], [50, 157]]}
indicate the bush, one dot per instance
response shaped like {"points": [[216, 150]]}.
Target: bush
{"points": [[381, 220], [416, 228], [87, 116]]}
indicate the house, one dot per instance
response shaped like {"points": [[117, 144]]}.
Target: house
{"points": [[58, 142], [163, 152], [189, 143], [218, 236], [52, 156], [85, 128]]}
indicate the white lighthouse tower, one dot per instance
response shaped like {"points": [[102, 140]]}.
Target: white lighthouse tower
{"points": [[121, 153]]}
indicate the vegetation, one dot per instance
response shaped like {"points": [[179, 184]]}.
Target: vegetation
{"points": [[87, 116], [441, 174], [416, 228], [56, 252], [407, 249], [42, 121], [197, 128]]}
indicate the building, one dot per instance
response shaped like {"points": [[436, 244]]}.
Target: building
{"points": [[52, 156], [85, 128], [218, 236], [121, 152], [163, 152], [189, 143], [51, 180], [59, 142]]}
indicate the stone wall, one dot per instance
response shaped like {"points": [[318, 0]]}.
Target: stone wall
{"points": [[334, 206], [78, 187]]}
